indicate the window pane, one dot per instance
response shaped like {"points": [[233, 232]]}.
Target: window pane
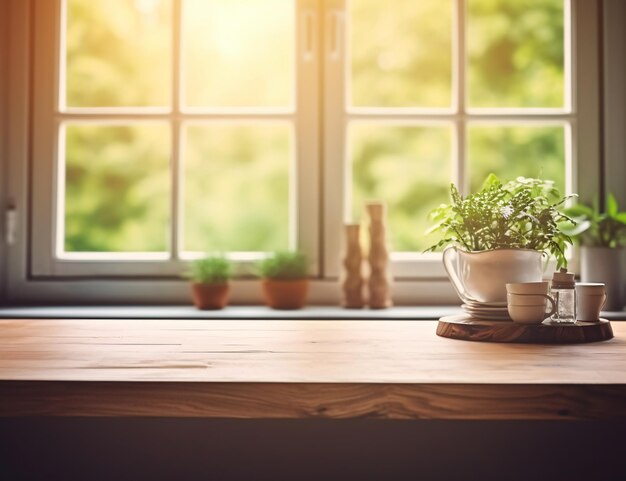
{"points": [[237, 187], [515, 53], [408, 167], [401, 53], [118, 53], [510, 152], [239, 53], [117, 187]]}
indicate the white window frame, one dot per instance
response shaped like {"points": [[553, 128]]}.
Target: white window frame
{"points": [[34, 274]]}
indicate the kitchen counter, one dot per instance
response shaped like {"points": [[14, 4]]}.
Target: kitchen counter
{"points": [[298, 369]]}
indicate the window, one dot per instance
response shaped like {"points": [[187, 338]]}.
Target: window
{"points": [[175, 127], [176, 131], [439, 92]]}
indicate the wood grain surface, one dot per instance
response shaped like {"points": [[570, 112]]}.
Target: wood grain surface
{"points": [[467, 328], [299, 369]]}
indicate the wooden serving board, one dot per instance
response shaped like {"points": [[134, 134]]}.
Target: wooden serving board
{"points": [[468, 328]]}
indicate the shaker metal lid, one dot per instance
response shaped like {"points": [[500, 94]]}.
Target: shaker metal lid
{"points": [[563, 279]]}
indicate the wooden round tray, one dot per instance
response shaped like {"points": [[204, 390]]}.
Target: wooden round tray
{"points": [[470, 329]]}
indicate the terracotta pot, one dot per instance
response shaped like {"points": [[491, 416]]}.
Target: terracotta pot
{"points": [[482, 276], [288, 294], [209, 296]]}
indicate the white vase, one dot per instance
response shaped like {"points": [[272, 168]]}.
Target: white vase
{"points": [[605, 264], [482, 276]]}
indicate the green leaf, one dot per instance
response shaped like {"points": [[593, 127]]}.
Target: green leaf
{"points": [[575, 230], [611, 206], [579, 210], [491, 181], [620, 217]]}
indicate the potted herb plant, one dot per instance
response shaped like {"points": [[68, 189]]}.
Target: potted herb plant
{"points": [[499, 235], [284, 279], [209, 282], [602, 237]]}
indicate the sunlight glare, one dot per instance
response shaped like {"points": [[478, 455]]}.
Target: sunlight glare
{"points": [[239, 52]]}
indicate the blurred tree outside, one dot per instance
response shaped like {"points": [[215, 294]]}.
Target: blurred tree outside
{"points": [[510, 152], [408, 167], [118, 53], [401, 53], [236, 187], [117, 187], [515, 53]]}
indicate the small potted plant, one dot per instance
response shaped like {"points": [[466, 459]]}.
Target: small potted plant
{"points": [[602, 237], [284, 279], [209, 277], [499, 235]]}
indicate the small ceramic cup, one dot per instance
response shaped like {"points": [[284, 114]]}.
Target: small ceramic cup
{"points": [[591, 297], [529, 308], [527, 302]]}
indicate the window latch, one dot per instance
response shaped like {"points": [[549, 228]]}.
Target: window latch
{"points": [[308, 20], [10, 224], [336, 35]]}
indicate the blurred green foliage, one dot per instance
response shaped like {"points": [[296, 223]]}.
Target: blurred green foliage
{"points": [[407, 167], [597, 228], [118, 55], [401, 53], [235, 177], [212, 269], [117, 192], [516, 151], [236, 187], [284, 265], [515, 53]]}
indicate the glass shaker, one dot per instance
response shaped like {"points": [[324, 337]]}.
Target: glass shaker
{"points": [[563, 291]]}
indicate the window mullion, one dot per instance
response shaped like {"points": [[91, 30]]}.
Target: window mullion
{"points": [[304, 215], [460, 86], [175, 123], [334, 58]]}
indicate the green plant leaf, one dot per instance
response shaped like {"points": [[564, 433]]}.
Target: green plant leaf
{"points": [[579, 210], [491, 181], [284, 265], [574, 230], [612, 208], [602, 229], [212, 269], [523, 213], [621, 217]]}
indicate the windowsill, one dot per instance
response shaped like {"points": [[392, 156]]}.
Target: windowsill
{"points": [[238, 312], [231, 312]]}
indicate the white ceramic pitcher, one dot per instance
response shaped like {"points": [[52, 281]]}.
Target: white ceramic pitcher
{"points": [[482, 276]]}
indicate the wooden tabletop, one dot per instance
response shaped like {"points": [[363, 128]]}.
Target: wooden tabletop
{"points": [[299, 369]]}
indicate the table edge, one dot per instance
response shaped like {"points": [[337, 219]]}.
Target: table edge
{"points": [[313, 400]]}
